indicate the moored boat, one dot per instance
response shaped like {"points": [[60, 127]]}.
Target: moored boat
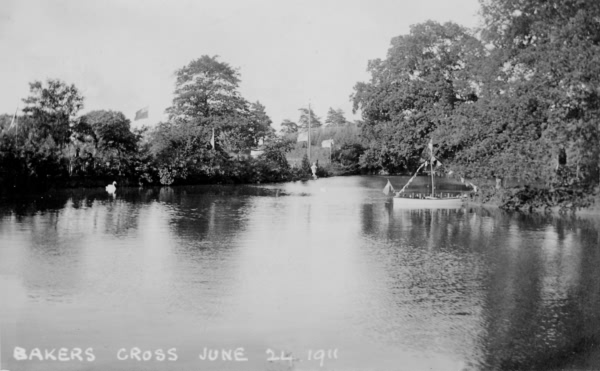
{"points": [[428, 202], [433, 201]]}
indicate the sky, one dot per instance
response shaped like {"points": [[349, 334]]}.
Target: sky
{"points": [[122, 55]]}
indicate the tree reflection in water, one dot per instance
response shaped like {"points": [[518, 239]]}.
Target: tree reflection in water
{"points": [[522, 289]]}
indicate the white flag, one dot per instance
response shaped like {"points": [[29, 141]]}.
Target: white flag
{"points": [[303, 136], [388, 187], [327, 143]]}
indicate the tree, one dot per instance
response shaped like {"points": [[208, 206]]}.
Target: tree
{"points": [[289, 127], [53, 108], [425, 77], [206, 92], [335, 117], [206, 95], [546, 56], [275, 152], [180, 150], [315, 121], [262, 129], [111, 131]]}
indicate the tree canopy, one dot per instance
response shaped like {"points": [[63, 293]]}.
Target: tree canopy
{"points": [[111, 130], [427, 75], [288, 127], [335, 117], [53, 107], [504, 104], [207, 96], [303, 121]]}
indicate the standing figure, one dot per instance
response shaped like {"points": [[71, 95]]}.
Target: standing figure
{"points": [[314, 170]]}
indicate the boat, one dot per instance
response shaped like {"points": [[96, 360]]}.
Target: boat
{"points": [[428, 202], [432, 201]]}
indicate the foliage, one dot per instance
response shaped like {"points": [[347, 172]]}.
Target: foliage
{"points": [[53, 107], [335, 117], [206, 88], [207, 96], [305, 167], [545, 60], [425, 77], [506, 110], [305, 115], [111, 130], [288, 127], [261, 128], [276, 150]]}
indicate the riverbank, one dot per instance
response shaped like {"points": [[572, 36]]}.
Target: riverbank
{"points": [[592, 210]]}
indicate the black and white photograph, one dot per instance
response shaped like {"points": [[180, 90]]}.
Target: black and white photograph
{"points": [[316, 185]]}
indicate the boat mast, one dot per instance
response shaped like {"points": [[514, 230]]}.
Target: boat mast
{"points": [[431, 167]]}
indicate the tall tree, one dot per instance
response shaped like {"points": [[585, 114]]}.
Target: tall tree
{"points": [[335, 117], [206, 95], [315, 121], [546, 54], [262, 122], [53, 107], [427, 74], [206, 92]]}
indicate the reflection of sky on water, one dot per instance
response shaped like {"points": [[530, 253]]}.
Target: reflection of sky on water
{"points": [[325, 263]]}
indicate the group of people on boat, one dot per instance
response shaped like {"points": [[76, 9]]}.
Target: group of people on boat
{"points": [[423, 195]]}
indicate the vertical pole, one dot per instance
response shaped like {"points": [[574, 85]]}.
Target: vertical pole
{"points": [[431, 168], [309, 132], [432, 186]]}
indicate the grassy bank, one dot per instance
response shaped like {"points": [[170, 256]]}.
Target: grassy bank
{"points": [[538, 199]]}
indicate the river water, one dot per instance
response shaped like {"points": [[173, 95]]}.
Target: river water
{"points": [[317, 275]]}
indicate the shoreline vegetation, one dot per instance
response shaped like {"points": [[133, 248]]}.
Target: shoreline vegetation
{"points": [[517, 98]]}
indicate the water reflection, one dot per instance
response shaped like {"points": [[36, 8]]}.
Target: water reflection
{"points": [[293, 266]]}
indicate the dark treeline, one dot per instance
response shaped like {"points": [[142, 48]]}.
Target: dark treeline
{"points": [[207, 138], [517, 99]]}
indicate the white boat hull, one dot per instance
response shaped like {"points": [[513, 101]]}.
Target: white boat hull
{"points": [[428, 203]]}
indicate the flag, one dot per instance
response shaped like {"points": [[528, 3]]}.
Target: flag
{"points": [[431, 146], [388, 187], [303, 137], [327, 143], [212, 139], [437, 163], [141, 114], [462, 180]]}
